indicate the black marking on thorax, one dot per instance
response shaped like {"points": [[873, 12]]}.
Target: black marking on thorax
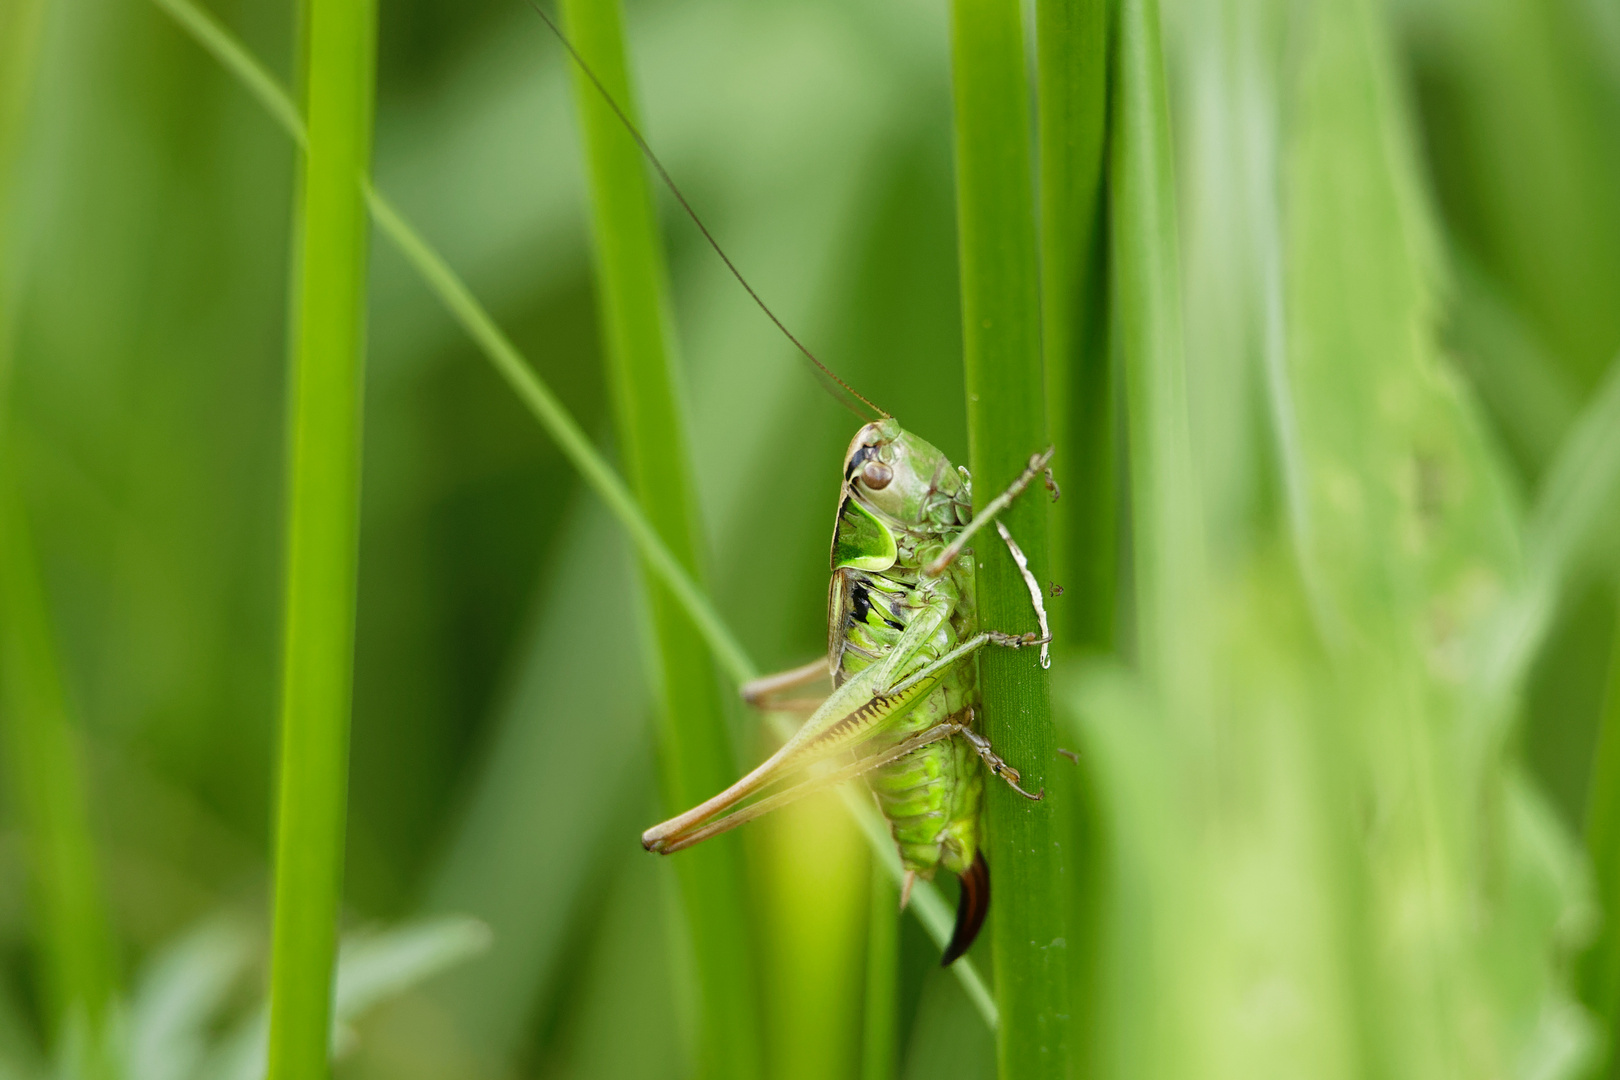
{"points": [[860, 605]]}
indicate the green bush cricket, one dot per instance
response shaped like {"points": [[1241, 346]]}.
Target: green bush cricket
{"points": [[903, 636], [903, 631]]}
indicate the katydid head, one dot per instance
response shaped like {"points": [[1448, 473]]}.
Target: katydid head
{"points": [[897, 474]]}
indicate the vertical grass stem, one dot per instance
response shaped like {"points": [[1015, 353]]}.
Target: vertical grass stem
{"points": [[1072, 81], [696, 755], [880, 1051], [46, 776], [1145, 254], [45, 771], [1006, 410], [1600, 970], [322, 533]]}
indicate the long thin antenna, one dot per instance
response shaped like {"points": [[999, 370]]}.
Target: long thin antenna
{"points": [[669, 182]]}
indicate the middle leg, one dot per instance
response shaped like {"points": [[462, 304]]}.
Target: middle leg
{"points": [[764, 692], [997, 764]]}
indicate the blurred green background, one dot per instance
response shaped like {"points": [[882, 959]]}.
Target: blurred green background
{"points": [[1350, 840]]}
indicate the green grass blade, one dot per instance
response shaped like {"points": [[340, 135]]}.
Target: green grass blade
{"points": [[1072, 95], [880, 1027], [322, 535], [44, 770], [926, 903], [696, 755], [1146, 280], [1508, 365], [1572, 519], [1600, 968], [47, 777], [1072, 50], [1577, 496], [1006, 424], [810, 875], [253, 76]]}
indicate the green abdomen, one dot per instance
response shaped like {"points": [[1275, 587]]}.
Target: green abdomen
{"points": [[932, 795], [931, 798]]}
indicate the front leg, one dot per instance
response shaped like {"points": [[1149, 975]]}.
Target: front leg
{"points": [[1037, 465]]}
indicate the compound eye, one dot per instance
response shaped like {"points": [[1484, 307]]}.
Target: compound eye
{"points": [[877, 475]]}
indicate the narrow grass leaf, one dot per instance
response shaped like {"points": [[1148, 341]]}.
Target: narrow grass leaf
{"points": [[1006, 410], [1072, 80], [1146, 280], [46, 777], [810, 870], [46, 774], [1577, 498], [1072, 101], [322, 535], [1571, 520], [696, 754], [235, 58], [1600, 969], [880, 1027]]}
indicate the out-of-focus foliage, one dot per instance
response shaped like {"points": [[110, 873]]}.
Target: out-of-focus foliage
{"points": [[1358, 841], [1328, 852]]}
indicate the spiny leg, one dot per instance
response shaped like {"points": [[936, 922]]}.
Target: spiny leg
{"points": [[997, 765], [1034, 590], [961, 652], [1037, 465]]}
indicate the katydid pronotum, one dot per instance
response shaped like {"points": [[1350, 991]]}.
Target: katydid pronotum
{"points": [[903, 638]]}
